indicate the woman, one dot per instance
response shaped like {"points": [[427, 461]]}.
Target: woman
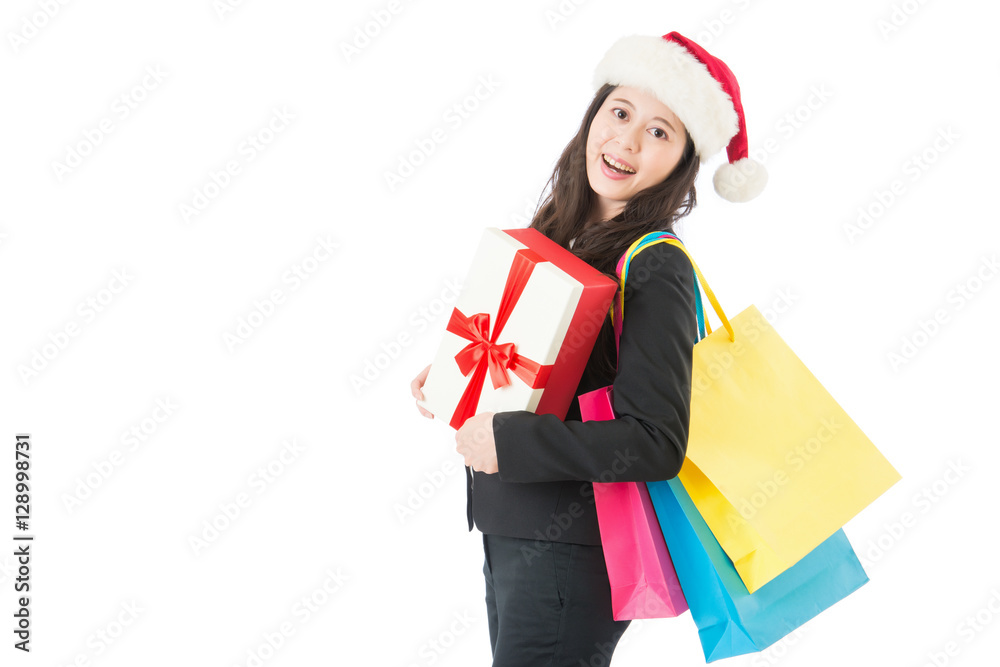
{"points": [[662, 105]]}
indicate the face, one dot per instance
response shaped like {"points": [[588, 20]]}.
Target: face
{"points": [[635, 141]]}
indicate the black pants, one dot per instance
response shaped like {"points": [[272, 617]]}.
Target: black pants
{"points": [[549, 604]]}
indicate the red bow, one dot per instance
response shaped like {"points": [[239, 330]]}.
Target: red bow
{"points": [[483, 353]]}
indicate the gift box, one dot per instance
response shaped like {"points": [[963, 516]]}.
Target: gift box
{"points": [[521, 331]]}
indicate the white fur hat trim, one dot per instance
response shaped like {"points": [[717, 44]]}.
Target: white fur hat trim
{"points": [[675, 77]]}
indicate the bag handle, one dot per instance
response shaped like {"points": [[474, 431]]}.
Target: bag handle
{"points": [[652, 238]]}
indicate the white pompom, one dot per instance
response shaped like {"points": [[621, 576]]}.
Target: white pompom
{"points": [[740, 181]]}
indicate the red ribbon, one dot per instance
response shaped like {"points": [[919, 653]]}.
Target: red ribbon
{"points": [[483, 354]]}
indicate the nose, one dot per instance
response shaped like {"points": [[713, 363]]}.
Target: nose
{"points": [[628, 138]]}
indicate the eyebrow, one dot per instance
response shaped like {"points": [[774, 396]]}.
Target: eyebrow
{"points": [[632, 106]]}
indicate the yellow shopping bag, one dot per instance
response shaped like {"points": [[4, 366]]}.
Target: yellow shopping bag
{"points": [[774, 464]]}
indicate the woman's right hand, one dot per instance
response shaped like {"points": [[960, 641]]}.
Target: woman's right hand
{"points": [[415, 388]]}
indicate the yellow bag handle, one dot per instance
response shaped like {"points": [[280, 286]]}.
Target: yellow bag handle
{"points": [[701, 279]]}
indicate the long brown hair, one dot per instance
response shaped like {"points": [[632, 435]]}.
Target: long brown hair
{"points": [[569, 203]]}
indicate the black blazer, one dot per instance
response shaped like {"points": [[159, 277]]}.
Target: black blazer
{"points": [[543, 490]]}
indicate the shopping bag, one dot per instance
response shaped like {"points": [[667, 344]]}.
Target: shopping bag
{"points": [[774, 464], [732, 621], [643, 581]]}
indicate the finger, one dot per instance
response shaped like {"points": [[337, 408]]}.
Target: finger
{"points": [[418, 383]]}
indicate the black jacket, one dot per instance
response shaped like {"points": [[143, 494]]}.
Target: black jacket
{"points": [[543, 490]]}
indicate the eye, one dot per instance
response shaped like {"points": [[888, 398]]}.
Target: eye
{"points": [[620, 113], [658, 133]]}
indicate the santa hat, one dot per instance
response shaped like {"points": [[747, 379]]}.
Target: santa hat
{"points": [[702, 91]]}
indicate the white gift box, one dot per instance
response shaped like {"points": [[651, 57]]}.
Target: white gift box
{"points": [[551, 305]]}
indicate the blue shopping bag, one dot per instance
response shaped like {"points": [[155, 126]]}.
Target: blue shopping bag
{"points": [[731, 621]]}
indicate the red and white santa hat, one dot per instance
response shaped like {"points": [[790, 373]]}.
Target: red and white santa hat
{"points": [[702, 91]]}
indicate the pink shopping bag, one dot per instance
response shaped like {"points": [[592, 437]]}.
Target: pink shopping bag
{"points": [[643, 581]]}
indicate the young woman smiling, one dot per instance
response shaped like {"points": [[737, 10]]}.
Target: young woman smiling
{"points": [[662, 104]]}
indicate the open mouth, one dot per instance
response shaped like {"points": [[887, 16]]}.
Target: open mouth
{"points": [[616, 166]]}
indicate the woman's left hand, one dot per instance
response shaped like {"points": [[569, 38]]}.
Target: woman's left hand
{"points": [[475, 443]]}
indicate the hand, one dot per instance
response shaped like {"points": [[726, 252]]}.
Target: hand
{"points": [[415, 389], [476, 444]]}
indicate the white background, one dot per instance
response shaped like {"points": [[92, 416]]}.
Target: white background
{"points": [[845, 104]]}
